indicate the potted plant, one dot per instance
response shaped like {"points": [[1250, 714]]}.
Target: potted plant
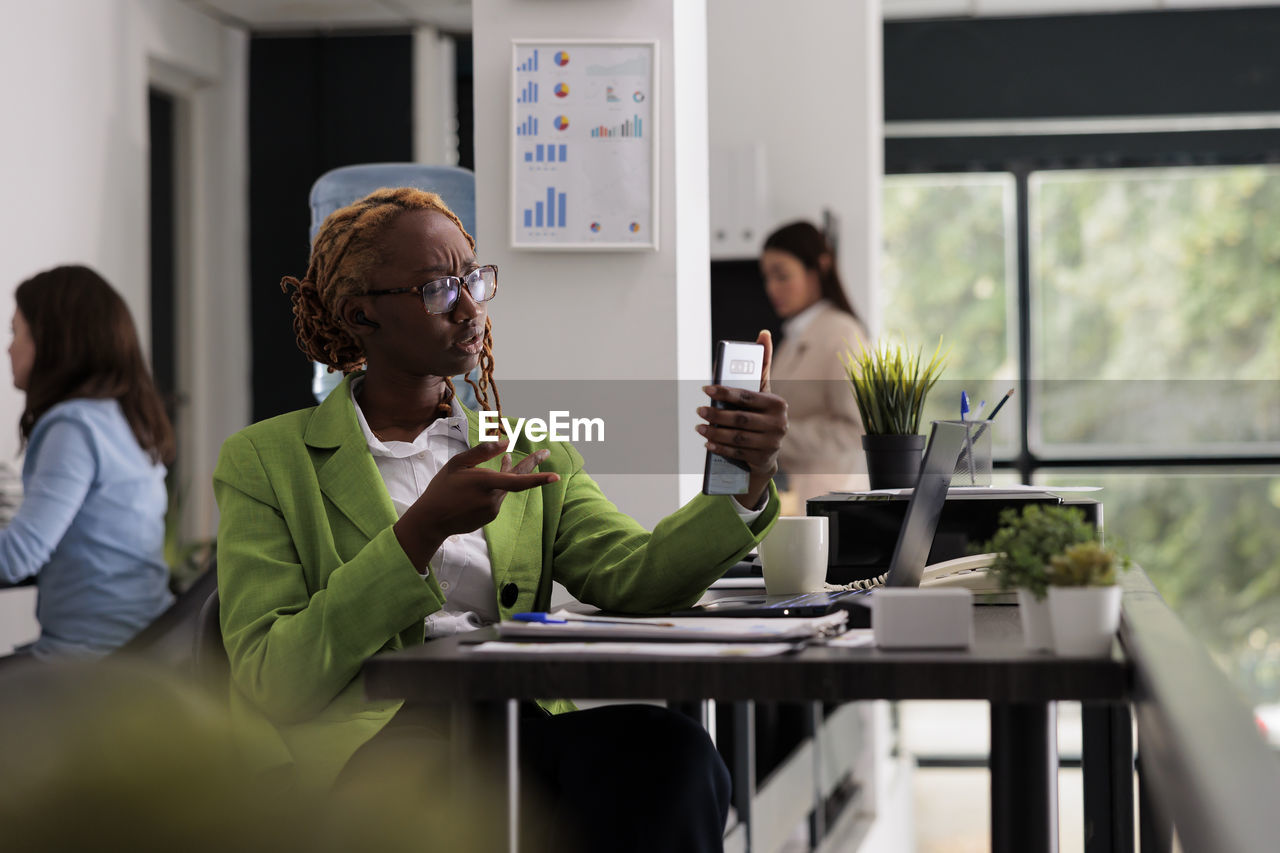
{"points": [[1025, 543], [890, 384], [1084, 600]]}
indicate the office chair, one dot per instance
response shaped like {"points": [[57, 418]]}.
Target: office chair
{"points": [[340, 187], [167, 640], [212, 669]]}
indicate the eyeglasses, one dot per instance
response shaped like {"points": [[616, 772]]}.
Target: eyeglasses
{"points": [[440, 295]]}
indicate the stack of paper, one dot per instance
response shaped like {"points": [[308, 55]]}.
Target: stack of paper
{"points": [[988, 491], [686, 636], [564, 625], [642, 648]]}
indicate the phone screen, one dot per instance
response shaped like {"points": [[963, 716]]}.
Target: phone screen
{"points": [[738, 365]]}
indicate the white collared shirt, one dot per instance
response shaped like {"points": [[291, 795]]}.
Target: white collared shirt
{"points": [[793, 327], [461, 566]]}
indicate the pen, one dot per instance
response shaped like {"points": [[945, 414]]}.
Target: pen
{"points": [[548, 619], [1003, 400], [968, 438], [994, 412], [538, 617]]}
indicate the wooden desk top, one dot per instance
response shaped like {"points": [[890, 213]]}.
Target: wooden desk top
{"points": [[997, 668]]}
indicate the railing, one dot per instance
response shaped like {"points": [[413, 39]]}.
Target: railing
{"points": [[1205, 772]]}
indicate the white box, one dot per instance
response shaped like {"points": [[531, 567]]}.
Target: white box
{"points": [[908, 618]]}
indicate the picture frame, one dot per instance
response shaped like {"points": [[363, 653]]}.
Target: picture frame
{"points": [[584, 151]]}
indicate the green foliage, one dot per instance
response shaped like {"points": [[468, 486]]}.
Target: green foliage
{"points": [[947, 270], [890, 385], [1086, 564], [1026, 541], [1197, 302]]}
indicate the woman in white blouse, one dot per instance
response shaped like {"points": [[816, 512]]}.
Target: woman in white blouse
{"points": [[822, 450]]}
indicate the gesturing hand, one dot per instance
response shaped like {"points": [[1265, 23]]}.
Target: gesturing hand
{"points": [[752, 432], [461, 498]]}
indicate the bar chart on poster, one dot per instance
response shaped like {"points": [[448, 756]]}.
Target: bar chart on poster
{"points": [[584, 156]]}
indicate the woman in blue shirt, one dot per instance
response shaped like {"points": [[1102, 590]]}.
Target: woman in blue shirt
{"points": [[91, 525]]}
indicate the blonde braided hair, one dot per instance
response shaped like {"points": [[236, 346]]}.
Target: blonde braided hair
{"points": [[347, 246]]}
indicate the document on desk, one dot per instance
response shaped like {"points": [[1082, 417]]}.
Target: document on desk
{"points": [[961, 491], [640, 648], [738, 583], [565, 625], [854, 638]]}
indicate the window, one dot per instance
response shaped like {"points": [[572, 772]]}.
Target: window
{"points": [[1154, 296], [949, 275], [1135, 311]]}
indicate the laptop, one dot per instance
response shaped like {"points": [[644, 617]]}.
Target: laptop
{"points": [[910, 554]]}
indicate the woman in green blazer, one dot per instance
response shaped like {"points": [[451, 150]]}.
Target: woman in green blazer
{"points": [[365, 523]]}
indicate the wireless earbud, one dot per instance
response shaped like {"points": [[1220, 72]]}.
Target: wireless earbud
{"points": [[365, 321]]}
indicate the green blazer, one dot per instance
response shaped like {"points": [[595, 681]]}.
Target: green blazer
{"points": [[312, 580]]}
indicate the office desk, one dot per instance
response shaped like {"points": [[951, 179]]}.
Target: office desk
{"points": [[1020, 686]]}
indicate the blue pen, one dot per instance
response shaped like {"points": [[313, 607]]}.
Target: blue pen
{"points": [[538, 617], [968, 439], [548, 619]]}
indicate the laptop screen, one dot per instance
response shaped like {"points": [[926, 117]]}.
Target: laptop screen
{"points": [[925, 507], [909, 555]]}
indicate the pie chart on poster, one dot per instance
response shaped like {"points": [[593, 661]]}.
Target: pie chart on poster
{"points": [[562, 122], [562, 58], [562, 90]]}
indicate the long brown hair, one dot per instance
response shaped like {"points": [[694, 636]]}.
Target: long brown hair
{"points": [[804, 241], [87, 346], [347, 246]]}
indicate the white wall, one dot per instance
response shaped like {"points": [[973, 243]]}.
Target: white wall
{"points": [[18, 623], [806, 85], [613, 315], [435, 107], [73, 84]]}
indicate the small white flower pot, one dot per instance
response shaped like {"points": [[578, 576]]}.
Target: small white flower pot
{"points": [[1085, 619], [1036, 626]]}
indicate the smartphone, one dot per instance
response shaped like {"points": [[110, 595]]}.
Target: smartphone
{"points": [[738, 365]]}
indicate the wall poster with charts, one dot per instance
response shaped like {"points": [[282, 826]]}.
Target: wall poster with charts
{"points": [[584, 156]]}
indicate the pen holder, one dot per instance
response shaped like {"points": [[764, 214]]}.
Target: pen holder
{"points": [[973, 468]]}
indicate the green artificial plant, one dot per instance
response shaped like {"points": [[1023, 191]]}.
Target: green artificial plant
{"points": [[890, 384], [1026, 542], [1086, 564]]}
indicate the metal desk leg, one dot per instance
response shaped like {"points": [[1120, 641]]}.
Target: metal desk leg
{"points": [[480, 747], [813, 731], [1024, 778], [1107, 736], [701, 711], [743, 769], [513, 775]]}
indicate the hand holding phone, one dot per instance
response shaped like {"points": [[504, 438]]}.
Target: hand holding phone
{"points": [[738, 364]]}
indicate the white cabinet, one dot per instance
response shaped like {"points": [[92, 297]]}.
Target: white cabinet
{"points": [[739, 215]]}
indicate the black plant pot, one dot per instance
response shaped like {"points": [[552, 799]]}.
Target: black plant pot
{"points": [[893, 461]]}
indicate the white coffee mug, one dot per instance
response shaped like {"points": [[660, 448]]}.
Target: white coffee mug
{"points": [[794, 555]]}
